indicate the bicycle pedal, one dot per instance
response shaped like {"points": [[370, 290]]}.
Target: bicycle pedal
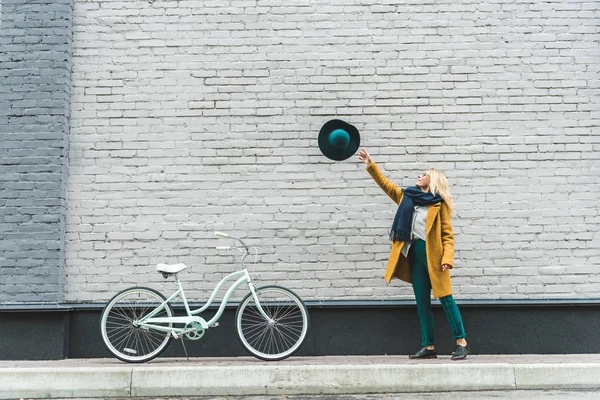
{"points": [[214, 325]]}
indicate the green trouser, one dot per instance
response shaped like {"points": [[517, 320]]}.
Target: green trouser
{"points": [[419, 276]]}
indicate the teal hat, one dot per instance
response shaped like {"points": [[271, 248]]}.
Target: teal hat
{"points": [[338, 140]]}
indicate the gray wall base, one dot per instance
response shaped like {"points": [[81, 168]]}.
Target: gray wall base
{"points": [[348, 329]]}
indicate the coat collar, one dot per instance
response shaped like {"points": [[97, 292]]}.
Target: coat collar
{"points": [[432, 213]]}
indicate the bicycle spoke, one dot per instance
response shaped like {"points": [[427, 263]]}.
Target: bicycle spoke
{"points": [[255, 317], [269, 341], [264, 337], [254, 328], [290, 309], [285, 336], [120, 315], [152, 338], [146, 341], [291, 332], [121, 339], [116, 327], [285, 342], [256, 332], [275, 337]]}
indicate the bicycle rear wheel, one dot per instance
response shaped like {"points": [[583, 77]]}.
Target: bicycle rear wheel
{"points": [[122, 336], [280, 337]]}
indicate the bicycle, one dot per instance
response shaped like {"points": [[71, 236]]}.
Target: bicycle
{"points": [[138, 323]]}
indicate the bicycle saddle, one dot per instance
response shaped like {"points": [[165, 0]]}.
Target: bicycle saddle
{"points": [[170, 269]]}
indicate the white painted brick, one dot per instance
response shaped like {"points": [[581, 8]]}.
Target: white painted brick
{"points": [[189, 117]]}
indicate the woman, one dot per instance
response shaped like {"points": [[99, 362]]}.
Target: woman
{"points": [[423, 250]]}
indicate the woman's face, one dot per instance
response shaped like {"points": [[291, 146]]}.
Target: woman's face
{"points": [[423, 180]]}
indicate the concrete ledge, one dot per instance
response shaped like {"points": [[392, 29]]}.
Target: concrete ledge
{"points": [[108, 378], [64, 382], [321, 379], [558, 376]]}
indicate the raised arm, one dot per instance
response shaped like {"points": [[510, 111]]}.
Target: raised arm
{"points": [[391, 189]]}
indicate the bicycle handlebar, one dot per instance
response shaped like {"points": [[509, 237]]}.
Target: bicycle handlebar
{"points": [[224, 235], [244, 250]]}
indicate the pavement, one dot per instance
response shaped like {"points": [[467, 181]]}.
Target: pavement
{"points": [[175, 377]]}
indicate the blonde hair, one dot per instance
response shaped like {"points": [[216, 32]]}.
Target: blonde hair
{"points": [[438, 184]]}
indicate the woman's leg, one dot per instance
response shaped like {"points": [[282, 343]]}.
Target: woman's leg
{"points": [[422, 288], [454, 318]]}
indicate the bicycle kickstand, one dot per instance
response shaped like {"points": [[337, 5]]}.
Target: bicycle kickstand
{"points": [[176, 336], [184, 350]]}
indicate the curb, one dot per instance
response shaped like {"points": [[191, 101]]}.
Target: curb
{"points": [[557, 376], [329, 379], [149, 381], [64, 382]]}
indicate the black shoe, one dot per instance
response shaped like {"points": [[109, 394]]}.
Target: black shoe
{"points": [[423, 353], [460, 353]]}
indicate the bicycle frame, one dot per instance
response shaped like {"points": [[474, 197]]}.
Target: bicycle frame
{"points": [[241, 277]]}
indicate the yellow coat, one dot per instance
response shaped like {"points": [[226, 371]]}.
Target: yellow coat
{"points": [[439, 241]]}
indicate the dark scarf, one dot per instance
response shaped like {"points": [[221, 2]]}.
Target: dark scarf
{"points": [[402, 226]]}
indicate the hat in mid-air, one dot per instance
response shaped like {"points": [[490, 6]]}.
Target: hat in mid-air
{"points": [[338, 140]]}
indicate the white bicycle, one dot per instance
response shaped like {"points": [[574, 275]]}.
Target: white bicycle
{"points": [[138, 323]]}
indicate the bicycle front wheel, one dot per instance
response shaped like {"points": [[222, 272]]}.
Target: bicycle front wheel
{"points": [[282, 334], [122, 335]]}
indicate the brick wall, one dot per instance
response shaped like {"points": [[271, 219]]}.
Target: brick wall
{"points": [[195, 116], [35, 40]]}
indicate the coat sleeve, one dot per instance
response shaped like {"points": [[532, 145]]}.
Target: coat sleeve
{"points": [[447, 236], [391, 189]]}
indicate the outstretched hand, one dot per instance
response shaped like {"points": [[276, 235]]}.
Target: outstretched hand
{"points": [[364, 156]]}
